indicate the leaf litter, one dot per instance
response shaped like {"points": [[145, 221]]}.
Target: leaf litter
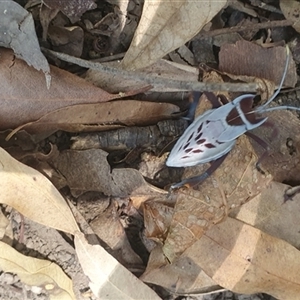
{"points": [[239, 221]]}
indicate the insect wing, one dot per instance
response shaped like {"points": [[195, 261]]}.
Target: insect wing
{"points": [[199, 143]]}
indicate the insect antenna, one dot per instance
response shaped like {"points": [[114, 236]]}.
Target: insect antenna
{"points": [[264, 108]]}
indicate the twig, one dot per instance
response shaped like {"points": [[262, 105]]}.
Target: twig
{"points": [[177, 85], [271, 24]]}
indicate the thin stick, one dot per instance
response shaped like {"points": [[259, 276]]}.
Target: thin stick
{"points": [[177, 85], [265, 25]]}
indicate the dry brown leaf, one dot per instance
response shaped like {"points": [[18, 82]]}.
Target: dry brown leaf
{"points": [[108, 278], [93, 117], [73, 9], [165, 26], [17, 28], [33, 195], [37, 272], [270, 213], [24, 96], [89, 170], [291, 9], [183, 276], [247, 58], [246, 260]]}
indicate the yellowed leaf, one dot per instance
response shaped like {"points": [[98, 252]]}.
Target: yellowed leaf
{"points": [[33, 195], [108, 278], [165, 26], [37, 272]]}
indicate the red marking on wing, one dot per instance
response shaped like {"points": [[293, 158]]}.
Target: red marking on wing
{"points": [[188, 150], [209, 145], [197, 151], [201, 141]]}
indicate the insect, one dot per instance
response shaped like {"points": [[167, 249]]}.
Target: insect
{"points": [[213, 134]]}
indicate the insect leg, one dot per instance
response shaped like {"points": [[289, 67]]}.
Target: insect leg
{"points": [[264, 145], [193, 106], [193, 181]]}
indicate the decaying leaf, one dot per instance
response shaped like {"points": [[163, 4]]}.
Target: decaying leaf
{"points": [[291, 9], [108, 278], [37, 272], [256, 261], [33, 195], [89, 170], [274, 213], [71, 8], [17, 29], [101, 116], [246, 58], [183, 276], [157, 32], [25, 98]]}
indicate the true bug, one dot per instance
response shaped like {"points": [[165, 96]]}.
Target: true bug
{"points": [[213, 134]]}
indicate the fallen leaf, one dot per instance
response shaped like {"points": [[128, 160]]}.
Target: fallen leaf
{"points": [[273, 215], [183, 276], [108, 278], [88, 170], [73, 9], [290, 9], [17, 28], [37, 272], [24, 97], [165, 26], [33, 195], [100, 116], [247, 58], [246, 260]]}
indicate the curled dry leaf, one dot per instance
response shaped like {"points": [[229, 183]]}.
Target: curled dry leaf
{"points": [[17, 28], [93, 117], [37, 272], [108, 278], [246, 58], [256, 261], [33, 195], [165, 26], [24, 97]]}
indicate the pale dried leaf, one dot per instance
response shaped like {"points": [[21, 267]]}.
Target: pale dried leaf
{"points": [[246, 260], [37, 272], [270, 213], [108, 278], [16, 29], [290, 9], [183, 276], [165, 26], [33, 195]]}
